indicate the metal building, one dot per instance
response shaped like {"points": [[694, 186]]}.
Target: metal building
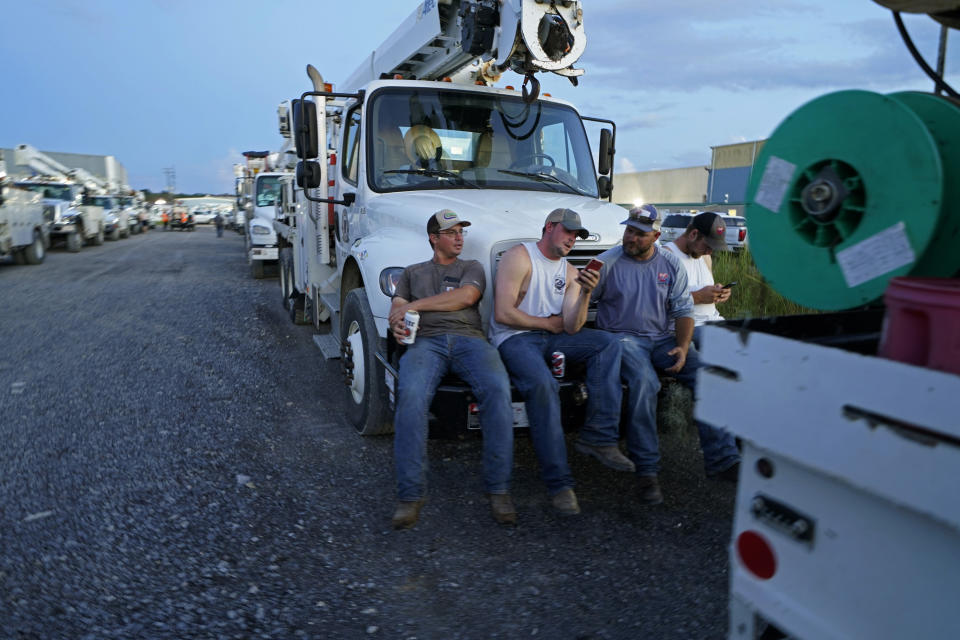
{"points": [[730, 170], [688, 184]]}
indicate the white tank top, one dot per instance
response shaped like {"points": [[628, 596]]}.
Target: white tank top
{"points": [[698, 277], [544, 296]]}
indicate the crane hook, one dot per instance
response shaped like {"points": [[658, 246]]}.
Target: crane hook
{"points": [[534, 92]]}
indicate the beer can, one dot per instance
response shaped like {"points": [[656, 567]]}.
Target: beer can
{"points": [[411, 322], [558, 364]]}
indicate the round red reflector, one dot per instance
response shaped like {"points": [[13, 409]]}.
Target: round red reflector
{"points": [[756, 554]]}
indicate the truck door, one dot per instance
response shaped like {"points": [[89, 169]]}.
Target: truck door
{"points": [[347, 218]]}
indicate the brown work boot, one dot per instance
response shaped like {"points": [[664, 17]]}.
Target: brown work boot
{"points": [[565, 503], [607, 454], [501, 506], [648, 490], [406, 514]]}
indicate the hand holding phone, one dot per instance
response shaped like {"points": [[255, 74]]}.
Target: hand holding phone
{"points": [[594, 265], [730, 284]]}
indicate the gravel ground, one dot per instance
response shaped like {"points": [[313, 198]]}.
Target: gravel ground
{"points": [[175, 464]]}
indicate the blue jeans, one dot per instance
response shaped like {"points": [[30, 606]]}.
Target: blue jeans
{"points": [[641, 359], [525, 356], [422, 367]]}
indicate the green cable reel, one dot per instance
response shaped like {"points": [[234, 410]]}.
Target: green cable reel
{"points": [[853, 189]]}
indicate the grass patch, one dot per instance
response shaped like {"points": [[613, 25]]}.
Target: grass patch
{"points": [[752, 297]]}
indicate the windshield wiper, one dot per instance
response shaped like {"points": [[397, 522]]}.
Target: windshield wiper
{"points": [[439, 173], [541, 177]]}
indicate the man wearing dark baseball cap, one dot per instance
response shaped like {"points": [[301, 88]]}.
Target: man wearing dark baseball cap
{"points": [[643, 298], [704, 235]]}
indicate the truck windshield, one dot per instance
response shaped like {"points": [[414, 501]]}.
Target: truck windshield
{"points": [[445, 139], [268, 191], [102, 201], [52, 191]]}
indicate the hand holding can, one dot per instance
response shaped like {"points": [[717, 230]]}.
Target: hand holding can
{"points": [[411, 322]]}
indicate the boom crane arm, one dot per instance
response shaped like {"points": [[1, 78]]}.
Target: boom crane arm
{"points": [[47, 167], [477, 40]]}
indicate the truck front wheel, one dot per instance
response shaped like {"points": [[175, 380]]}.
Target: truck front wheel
{"points": [[97, 240], [74, 242], [35, 253], [367, 406]]}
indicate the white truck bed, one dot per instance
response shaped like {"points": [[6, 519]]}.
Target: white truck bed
{"points": [[862, 509]]}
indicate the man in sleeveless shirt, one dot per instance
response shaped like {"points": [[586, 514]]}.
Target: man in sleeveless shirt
{"points": [[446, 292], [644, 299], [705, 234], [540, 306]]}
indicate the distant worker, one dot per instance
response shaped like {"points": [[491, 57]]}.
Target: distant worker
{"points": [[446, 292], [704, 235], [165, 217], [540, 306], [218, 222], [643, 298]]}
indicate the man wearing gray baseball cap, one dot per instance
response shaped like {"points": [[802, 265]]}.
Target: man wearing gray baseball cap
{"points": [[540, 306]]}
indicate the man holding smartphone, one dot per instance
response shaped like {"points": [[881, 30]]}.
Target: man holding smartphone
{"points": [[643, 298], [704, 235], [540, 305]]}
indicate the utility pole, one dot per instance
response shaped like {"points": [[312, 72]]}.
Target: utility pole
{"points": [[171, 175]]}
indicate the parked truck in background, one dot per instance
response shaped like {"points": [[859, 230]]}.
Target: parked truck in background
{"points": [[419, 128], [258, 194], [24, 229], [63, 189]]}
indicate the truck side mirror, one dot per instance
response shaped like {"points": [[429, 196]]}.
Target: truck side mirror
{"points": [[605, 160], [308, 174], [604, 187], [304, 129]]}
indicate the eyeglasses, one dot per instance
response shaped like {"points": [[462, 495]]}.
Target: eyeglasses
{"points": [[452, 232]]}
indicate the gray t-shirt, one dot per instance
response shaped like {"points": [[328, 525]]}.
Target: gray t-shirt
{"points": [[642, 297], [426, 279]]}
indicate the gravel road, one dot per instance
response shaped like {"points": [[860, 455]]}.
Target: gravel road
{"points": [[175, 464]]}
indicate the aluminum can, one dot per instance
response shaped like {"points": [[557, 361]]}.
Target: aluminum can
{"points": [[558, 364], [411, 321]]}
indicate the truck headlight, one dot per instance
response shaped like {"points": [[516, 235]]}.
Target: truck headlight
{"points": [[259, 231], [389, 278]]}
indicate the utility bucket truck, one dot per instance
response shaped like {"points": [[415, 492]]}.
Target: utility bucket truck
{"points": [[847, 522], [418, 128], [24, 229], [72, 219], [258, 196]]}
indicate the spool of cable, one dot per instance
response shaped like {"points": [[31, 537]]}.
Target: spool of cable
{"points": [[855, 188]]}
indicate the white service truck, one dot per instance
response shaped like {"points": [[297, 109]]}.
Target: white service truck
{"points": [[847, 520], [258, 195], [24, 231], [418, 128], [63, 190]]}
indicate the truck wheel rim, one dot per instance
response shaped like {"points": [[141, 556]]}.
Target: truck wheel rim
{"points": [[357, 385]]}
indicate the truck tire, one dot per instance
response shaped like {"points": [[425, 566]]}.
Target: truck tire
{"points": [[97, 240], [256, 269], [114, 235], [367, 406], [18, 257], [35, 253], [74, 242]]}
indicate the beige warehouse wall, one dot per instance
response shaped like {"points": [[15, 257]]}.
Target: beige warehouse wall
{"points": [[688, 184]]}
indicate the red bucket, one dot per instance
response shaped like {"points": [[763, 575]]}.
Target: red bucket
{"points": [[922, 323]]}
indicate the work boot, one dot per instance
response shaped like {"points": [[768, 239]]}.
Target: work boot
{"points": [[565, 503], [501, 506], [608, 454], [648, 490], [406, 514]]}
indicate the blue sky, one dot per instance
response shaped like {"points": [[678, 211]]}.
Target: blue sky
{"points": [[191, 84]]}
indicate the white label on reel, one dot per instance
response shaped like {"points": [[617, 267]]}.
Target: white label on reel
{"points": [[879, 254], [774, 184]]}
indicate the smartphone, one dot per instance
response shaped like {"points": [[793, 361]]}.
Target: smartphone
{"points": [[730, 284], [594, 265]]}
